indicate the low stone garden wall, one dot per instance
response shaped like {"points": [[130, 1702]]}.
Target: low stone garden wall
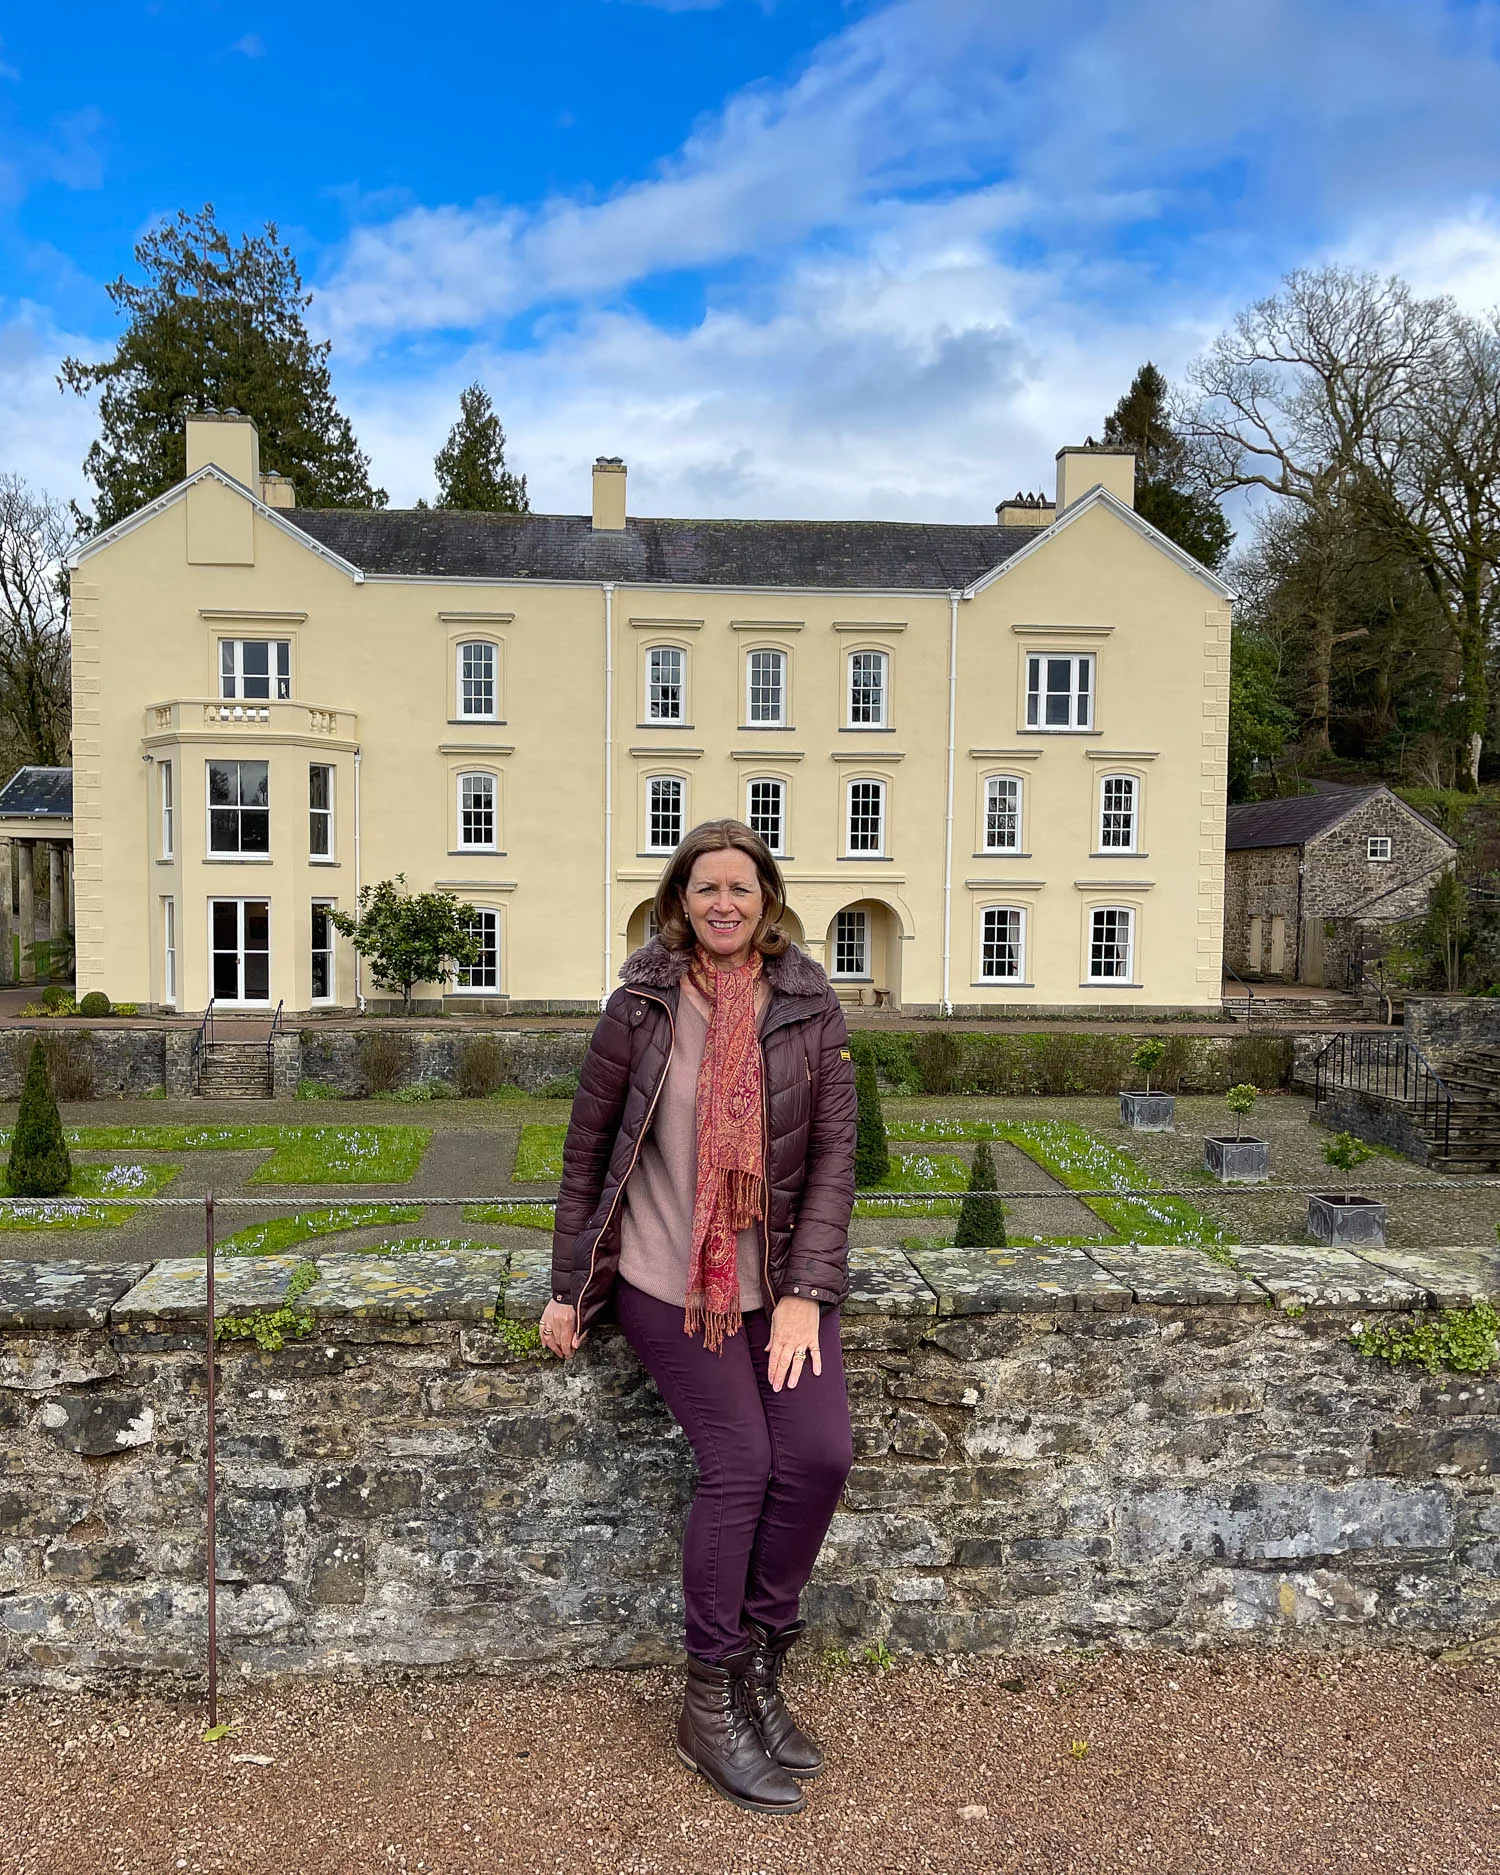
{"points": [[377, 1057], [1128, 1446]]}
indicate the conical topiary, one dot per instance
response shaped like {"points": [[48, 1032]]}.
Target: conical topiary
{"points": [[39, 1163], [981, 1218], [872, 1156]]}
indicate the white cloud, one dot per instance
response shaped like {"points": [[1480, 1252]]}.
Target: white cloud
{"points": [[1457, 254], [44, 432]]}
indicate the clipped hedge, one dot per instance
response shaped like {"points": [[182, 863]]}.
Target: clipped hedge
{"points": [[955, 1061]]}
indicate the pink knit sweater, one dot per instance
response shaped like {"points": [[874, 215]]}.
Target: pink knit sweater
{"points": [[656, 1220]]}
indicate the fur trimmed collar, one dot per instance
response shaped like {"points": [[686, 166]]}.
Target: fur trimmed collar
{"points": [[654, 967]]}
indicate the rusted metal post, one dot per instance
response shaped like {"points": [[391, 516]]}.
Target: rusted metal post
{"points": [[213, 1565]]}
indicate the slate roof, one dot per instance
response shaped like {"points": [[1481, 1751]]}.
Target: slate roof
{"points": [[852, 555], [1292, 822], [39, 793]]}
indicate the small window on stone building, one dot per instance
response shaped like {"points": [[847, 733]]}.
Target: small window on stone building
{"points": [[1378, 846]]}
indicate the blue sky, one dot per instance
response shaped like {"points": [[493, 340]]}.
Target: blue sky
{"points": [[820, 259]]}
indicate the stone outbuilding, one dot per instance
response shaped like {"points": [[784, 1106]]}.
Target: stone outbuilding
{"points": [[1309, 881]]}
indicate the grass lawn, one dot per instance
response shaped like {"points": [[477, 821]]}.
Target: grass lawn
{"points": [[72, 1210], [916, 1171], [524, 1214], [1081, 1160], [539, 1154], [280, 1233], [300, 1155]]}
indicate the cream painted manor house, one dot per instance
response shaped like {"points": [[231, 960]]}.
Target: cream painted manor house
{"points": [[991, 758]]}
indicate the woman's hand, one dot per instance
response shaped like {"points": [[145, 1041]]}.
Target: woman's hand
{"points": [[794, 1340], [559, 1330]]}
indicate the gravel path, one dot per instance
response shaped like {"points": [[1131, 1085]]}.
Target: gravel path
{"points": [[1063, 1765]]}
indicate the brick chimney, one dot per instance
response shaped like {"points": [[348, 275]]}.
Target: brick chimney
{"points": [[609, 495]]}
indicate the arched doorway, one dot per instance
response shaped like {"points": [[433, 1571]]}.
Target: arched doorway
{"points": [[863, 954], [640, 927]]}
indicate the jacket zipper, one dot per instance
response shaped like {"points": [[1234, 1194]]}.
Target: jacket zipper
{"points": [[640, 1141], [765, 1161]]}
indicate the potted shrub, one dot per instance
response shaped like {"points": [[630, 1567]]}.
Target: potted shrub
{"points": [[1146, 1111], [1341, 1218], [1241, 1160]]}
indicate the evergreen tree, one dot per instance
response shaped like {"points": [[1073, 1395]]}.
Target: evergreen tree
{"points": [[215, 326], [981, 1219], [470, 466], [39, 1163], [1163, 496], [872, 1156]]}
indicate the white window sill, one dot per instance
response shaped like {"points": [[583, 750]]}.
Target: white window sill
{"points": [[313, 860], [667, 722], [1054, 730], [853, 859], [1121, 852], [238, 859], [836, 978], [1002, 852], [868, 729], [476, 722], [1001, 983], [1109, 983], [476, 852], [775, 729]]}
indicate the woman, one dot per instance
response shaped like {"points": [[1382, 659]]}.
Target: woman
{"points": [[708, 1179]]}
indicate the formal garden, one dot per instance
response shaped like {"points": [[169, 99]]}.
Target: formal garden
{"points": [[481, 1171]]}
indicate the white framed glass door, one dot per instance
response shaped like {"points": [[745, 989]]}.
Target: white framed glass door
{"points": [[239, 936]]}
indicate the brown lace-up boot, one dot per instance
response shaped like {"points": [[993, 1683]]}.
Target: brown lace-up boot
{"points": [[783, 1738], [718, 1738]]}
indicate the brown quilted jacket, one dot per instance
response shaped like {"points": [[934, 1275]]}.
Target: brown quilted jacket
{"points": [[808, 1083]]}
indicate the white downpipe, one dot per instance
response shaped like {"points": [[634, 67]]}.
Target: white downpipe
{"points": [[359, 994], [609, 786], [948, 819]]}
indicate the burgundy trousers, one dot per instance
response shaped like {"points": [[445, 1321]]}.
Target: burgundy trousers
{"points": [[771, 1466]]}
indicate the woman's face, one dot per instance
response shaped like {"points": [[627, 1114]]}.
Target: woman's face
{"points": [[724, 903]]}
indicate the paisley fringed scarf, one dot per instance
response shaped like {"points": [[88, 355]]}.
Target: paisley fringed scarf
{"points": [[731, 1189]]}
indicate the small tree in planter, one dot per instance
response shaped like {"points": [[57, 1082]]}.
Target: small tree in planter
{"points": [[39, 1163], [981, 1216], [1345, 1217], [1240, 1160], [872, 1155], [1146, 1112]]}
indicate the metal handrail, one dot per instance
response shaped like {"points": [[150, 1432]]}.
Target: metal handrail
{"points": [[1249, 993], [201, 1043], [1392, 1068], [271, 1044]]}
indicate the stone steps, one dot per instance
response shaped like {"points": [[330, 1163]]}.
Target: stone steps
{"points": [[235, 1071]]}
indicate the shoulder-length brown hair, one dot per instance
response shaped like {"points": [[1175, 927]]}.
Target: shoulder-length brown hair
{"points": [[715, 836]]}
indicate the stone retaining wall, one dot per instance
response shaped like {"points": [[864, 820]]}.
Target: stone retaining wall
{"points": [[1447, 1026], [1129, 1446]]}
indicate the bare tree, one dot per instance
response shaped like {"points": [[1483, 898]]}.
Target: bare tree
{"points": [[1433, 489], [36, 534], [1305, 396]]}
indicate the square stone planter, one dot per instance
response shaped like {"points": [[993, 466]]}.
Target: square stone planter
{"points": [[1238, 1161], [1345, 1220], [1148, 1113]]}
